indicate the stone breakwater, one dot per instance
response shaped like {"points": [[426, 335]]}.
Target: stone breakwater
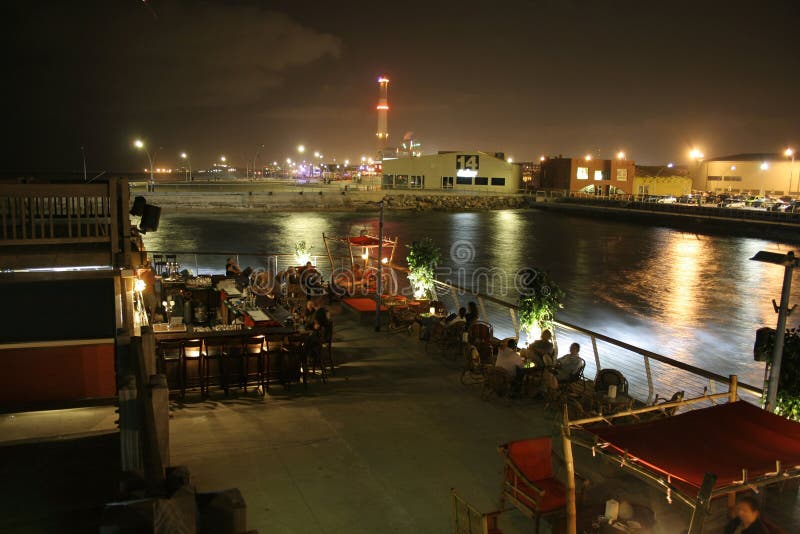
{"points": [[328, 201]]}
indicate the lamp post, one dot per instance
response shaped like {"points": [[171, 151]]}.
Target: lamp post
{"points": [[697, 156], [140, 146], [773, 371], [379, 284], [789, 153], [255, 158], [764, 167], [83, 155], [185, 156]]}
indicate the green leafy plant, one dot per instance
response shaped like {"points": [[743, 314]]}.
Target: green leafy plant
{"points": [[422, 259], [788, 400], [539, 300], [302, 252]]}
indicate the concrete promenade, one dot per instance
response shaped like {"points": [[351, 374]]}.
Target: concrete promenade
{"points": [[375, 450]]}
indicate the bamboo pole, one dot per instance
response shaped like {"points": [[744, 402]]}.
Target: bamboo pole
{"points": [[658, 407], [732, 397], [572, 515]]}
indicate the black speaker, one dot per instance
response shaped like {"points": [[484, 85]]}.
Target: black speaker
{"points": [[762, 348], [150, 218], [138, 206]]}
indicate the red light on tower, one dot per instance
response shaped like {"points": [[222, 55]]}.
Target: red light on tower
{"points": [[383, 112]]}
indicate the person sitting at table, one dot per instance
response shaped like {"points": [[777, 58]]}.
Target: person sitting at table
{"points": [[509, 360], [320, 325], [748, 518], [456, 318], [308, 315], [472, 313], [542, 350], [568, 365], [232, 269]]}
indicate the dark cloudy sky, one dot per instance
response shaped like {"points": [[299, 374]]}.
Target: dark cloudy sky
{"points": [[557, 76]]}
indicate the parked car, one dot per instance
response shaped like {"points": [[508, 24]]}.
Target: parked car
{"points": [[667, 200]]}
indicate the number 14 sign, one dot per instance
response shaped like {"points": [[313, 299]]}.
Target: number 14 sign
{"points": [[467, 161]]}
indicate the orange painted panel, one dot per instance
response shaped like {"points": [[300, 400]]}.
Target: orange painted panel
{"points": [[48, 374]]}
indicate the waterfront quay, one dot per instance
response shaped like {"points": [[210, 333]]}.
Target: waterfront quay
{"points": [[375, 449]]}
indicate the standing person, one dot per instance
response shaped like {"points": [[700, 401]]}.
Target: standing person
{"points": [[748, 518], [472, 313]]}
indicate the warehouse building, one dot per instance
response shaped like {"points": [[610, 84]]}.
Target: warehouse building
{"points": [[590, 175], [754, 174], [472, 171]]}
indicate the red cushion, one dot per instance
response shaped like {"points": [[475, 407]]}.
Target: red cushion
{"points": [[554, 497]]}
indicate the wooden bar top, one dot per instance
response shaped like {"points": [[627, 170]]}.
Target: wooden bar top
{"points": [[255, 331]]}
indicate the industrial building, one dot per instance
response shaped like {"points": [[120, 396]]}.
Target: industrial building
{"points": [[588, 175], [755, 174], [472, 171]]}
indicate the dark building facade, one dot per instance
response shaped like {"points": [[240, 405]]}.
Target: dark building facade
{"points": [[588, 175]]}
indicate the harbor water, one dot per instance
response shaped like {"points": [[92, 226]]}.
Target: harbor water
{"points": [[691, 297]]}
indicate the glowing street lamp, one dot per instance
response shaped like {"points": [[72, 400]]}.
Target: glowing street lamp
{"points": [[346, 162], [542, 158], [223, 159], [185, 156], [588, 157], [139, 144], [764, 167], [316, 154], [510, 160], [301, 148], [696, 154], [621, 155], [789, 153]]}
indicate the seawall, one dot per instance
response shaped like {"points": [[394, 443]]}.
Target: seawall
{"points": [[326, 201]]}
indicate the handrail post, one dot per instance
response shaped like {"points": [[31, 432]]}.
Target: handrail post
{"points": [[514, 322], [569, 462], [596, 353], [733, 391], [482, 308], [649, 379]]}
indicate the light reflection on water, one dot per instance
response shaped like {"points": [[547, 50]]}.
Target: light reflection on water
{"points": [[692, 297]]}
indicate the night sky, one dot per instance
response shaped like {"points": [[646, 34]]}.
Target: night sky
{"points": [[527, 78]]}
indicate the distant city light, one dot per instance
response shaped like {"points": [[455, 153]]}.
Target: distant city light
{"points": [[301, 148], [289, 161], [223, 159], [733, 167], [588, 157], [542, 158], [764, 166], [670, 165], [363, 159], [789, 152], [346, 162], [138, 143], [620, 155], [696, 154], [510, 160], [183, 155], [383, 79]]}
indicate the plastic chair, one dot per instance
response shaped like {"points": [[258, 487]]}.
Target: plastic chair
{"points": [[528, 481]]}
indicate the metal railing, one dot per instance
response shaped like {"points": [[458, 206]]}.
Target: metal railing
{"points": [[649, 374]]}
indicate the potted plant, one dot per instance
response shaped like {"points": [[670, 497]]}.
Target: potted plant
{"points": [[788, 400], [539, 300], [302, 252], [422, 259]]}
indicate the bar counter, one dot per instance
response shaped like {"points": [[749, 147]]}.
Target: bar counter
{"points": [[192, 333]]}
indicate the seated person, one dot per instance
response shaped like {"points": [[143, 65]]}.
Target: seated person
{"points": [[309, 313], [472, 313], [456, 318], [568, 365], [310, 279], [748, 518], [512, 362], [542, 350], [232, 269]]}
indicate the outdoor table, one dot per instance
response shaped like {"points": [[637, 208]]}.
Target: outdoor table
{"points": [[607, 406]]}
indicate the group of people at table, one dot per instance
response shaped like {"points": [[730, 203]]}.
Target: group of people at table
{"points": [[517, 363]]}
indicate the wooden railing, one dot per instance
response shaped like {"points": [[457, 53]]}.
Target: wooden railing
{"points": [[52, 214]]}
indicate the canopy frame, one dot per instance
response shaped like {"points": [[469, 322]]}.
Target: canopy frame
{"points": [[386, 243], [573, 433]]}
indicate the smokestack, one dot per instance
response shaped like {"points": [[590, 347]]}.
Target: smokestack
{"points": [[383, 112]]}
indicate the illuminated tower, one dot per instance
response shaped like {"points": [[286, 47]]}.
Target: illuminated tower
{"points": [[383, 112]]}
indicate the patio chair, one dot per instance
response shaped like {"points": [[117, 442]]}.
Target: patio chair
{"points": [[401, 318], [610, 377], [528, 481], [451, 338], [676, 397], [480, 332], [570, 391], [469, 520], [497, 382]]}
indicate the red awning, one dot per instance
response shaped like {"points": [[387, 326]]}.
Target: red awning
{"points": [[368, 241], [722, 439]]}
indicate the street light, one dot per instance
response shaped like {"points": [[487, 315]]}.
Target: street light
{"points": [[696, 154], [185, 156], [510, 160], [789, 153], [139, 144], [621, 154], [223, 159], [588, 157], [773, 371], [301, 148]]}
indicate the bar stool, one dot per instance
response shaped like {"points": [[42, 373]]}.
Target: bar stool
{"points": [[326, 357], [294, 362], [253, 358], [273, 360], [159, 263], [215, 350], [170, 354], [192, 349]]}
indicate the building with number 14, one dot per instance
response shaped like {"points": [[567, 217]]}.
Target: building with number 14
{"points": [[472, 171]]}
